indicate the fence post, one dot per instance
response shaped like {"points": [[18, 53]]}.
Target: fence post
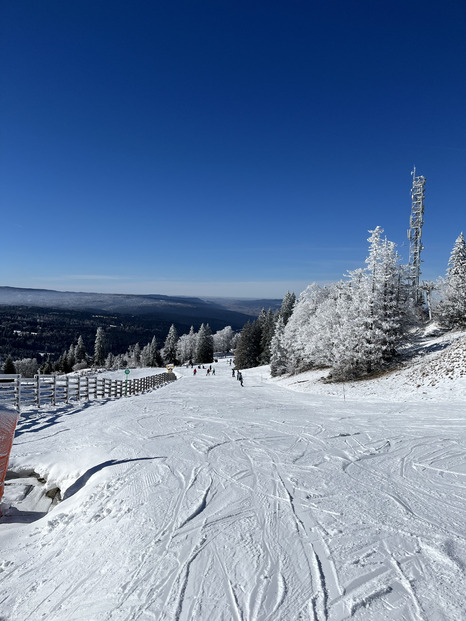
{"points": [[17, 382], [37, 378], [54, 390]]}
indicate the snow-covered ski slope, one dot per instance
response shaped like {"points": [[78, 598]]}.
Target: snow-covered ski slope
{"points": [[205, 501]]}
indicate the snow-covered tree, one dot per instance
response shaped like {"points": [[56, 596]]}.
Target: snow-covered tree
{"points": [[134, 356], [99, 347], [119, 362], [186, 347], [150, 355], [223, 339], [27, 367], [278, 350], [80, 350], [353, 326], [204, 352], [169, 348], [305, 332], [110, 361], [70, 358], [287, 306], [46, 367], [453, 306]]}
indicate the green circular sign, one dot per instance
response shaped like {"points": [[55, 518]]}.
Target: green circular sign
{"points": [[127, 371]]}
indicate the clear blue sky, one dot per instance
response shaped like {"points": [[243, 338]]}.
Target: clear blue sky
{"points": [[225, 147]]}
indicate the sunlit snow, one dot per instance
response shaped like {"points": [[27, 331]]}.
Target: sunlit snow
{"points": [[280, 500]]}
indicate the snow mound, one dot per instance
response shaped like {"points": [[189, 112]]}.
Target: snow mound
{"points": [[448, 364]]}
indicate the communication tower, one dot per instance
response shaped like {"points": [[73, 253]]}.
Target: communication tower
{"points": [[415, 232]]}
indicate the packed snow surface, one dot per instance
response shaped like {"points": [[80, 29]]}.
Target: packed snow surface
{"points": [[204, 500]]}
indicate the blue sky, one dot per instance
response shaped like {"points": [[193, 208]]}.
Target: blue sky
{"points": [[225, 147]]}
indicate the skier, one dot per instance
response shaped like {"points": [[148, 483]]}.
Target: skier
{"points": [[194, 371]]}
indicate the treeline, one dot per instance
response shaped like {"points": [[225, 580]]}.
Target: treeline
{"points": [[44, 332], [194, 347], [355, 327]]}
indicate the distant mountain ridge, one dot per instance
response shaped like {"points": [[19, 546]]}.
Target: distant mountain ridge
{"points": [[136, 304], [44, 321]]}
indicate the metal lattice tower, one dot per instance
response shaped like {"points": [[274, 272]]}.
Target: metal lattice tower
{"points": [[415, 232]]}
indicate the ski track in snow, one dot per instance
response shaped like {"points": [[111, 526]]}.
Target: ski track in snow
{"points": [[207, 501]]}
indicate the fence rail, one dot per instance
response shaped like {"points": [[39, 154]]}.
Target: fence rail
{"points": [[53, 389]]}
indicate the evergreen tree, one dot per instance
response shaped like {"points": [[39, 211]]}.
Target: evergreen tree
{"points": [[46, 367], [453, 307], [60, 364], [145, 356], [155, 358], [267, 325], [184, 349], [99, 348], [110, 361], [287, 306], [70, 358], [353, 326], [309, 331], [80, 350], [169, 349], [134, 356], [204, 352], [248, 349], [278, 350], [9, 366]]}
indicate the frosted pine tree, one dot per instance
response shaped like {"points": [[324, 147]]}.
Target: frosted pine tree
{"points": [[110, 361], [453, 307], [185, 348], [204, 352], [99, 348], [134, 356], [287, 306], [352, 346], [223, 339], [303, 335], [169, 349], [388, 304], [371, 312], [154, 359], [80, 350], [278, 350], [191, 343], [71, 357]]}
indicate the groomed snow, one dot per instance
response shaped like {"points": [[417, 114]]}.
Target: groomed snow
{"points": [[203, 500]]}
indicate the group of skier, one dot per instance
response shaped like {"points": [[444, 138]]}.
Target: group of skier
{"points": [[211, 371]]}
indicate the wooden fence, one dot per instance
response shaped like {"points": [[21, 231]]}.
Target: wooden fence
{"points": [[53, 389]]}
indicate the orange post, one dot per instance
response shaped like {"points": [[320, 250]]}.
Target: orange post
{"points": [[8, 420]]}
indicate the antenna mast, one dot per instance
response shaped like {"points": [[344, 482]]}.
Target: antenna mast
{"points": [[415, 232]]}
